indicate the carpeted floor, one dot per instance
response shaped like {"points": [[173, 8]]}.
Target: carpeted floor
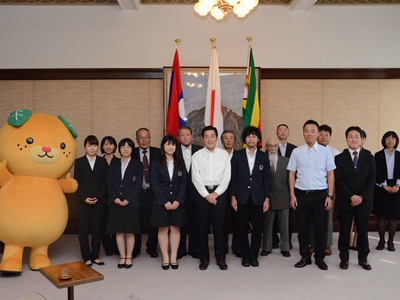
{"points": [[276, 278]]}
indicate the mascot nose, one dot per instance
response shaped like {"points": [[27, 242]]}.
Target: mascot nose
{"points": [[46, 149]]}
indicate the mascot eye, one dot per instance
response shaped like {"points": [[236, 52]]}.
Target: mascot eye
{"points": [[29, 140], [62, 146]]}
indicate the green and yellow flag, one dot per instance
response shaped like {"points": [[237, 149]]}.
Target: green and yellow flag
{"points": [[251, 102]]}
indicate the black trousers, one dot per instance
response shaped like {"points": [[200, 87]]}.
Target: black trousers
{"points": [[90, 219], [192, 228], [108, 239], [311, 206], [216, 214], [235, 230], [253, 214], [361, 220], [145, 209]]}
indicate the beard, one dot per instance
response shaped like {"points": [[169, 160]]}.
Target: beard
{"points": [[273, 156]]}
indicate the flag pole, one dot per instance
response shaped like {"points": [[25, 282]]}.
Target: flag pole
{"points": [[212, 42], [177, 42]]}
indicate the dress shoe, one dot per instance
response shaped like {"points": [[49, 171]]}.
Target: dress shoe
{"points": [[245, 262], [321, 264], [194, 254], [165, 266], [88, 263], [134, 255], [127, 266], [303, 262], [238, 254], [344, 265], [311, 249], [254, 262], [285, 253], [152, 253], [120, 266], [203, 265], [265, 253], [175, 266], [381, 245], [365, 265], [98, 262], [328, 251], [222, 265], [391, 246]]}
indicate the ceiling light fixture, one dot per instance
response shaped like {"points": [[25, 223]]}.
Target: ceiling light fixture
{"points": [[222, 8]]}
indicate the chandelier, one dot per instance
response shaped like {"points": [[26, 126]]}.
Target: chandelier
{"points": [[222, 8]]}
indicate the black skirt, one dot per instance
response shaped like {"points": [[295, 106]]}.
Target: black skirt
{"points": [[161, 217], [386, 205], [123, 220]]}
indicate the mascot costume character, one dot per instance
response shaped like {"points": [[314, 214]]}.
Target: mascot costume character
{"points": [[35, 151]]}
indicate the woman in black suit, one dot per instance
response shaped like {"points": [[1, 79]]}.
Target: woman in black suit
{"points": [[168, 180], [108, 146], [91, 173], [387, 196], [124, 182]]}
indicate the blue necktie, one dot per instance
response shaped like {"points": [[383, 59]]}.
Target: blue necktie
{"points": [[355, 160]]}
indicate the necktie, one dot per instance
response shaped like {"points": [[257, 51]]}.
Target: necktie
{"points": [[146, 167], [355, 160]]}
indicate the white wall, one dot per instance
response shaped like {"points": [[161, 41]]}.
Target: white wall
{"points": [[106, 37]]}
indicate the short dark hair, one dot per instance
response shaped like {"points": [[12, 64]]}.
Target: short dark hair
{"points": [[91, 140], [185, 127], [228, 131], [209, 127], [111, 140], [363, 134], [312, 122], [142, 128], [282, 125], [168, 139], [326, 128], [351, 128], [126, 141], [249, 131], [388, 134]]}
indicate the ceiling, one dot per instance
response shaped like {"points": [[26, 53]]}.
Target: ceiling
{"points": [[135, 4]]}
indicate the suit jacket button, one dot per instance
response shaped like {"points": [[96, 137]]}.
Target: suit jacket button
{"points": [[170, 193], [248, 187], [251, 178]]}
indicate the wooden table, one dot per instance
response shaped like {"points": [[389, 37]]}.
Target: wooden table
{"points": [[81, 274]]}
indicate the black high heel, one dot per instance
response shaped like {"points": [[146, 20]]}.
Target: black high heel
{"points": [[175, 266], [381, 245], [391, 246], [165, 266], [120, 266], [130, 265]]}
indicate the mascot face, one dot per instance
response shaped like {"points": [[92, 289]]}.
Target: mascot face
{"points": [[37, 144]]}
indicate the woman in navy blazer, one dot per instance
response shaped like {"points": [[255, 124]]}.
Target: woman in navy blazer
{"points": [[124, 182], [168, 180], [387, 196]]}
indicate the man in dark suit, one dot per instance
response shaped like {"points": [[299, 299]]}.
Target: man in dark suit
{"points": [[250, 192], [91, 174], [355, 178], [280, 201], [185, 151], [142, 154], [284, 149]]}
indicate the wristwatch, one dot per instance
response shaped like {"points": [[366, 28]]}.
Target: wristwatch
{"points": [[329, 196]]}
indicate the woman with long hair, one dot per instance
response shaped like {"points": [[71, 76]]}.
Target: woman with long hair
{"points": [[168, 180]]}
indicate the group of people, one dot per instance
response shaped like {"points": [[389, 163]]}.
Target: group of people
{"points": [[182, 189]]}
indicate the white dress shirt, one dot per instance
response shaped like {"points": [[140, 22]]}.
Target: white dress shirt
{"points": [[211, 168], [187, 156]]}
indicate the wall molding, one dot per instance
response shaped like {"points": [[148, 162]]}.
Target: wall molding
{"points": [[157, 73]]}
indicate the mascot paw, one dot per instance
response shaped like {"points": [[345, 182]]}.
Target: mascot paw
{"points": [[39, 261], [68, 184], [12, 264]]}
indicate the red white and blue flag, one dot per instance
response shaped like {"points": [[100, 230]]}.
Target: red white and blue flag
{"points": [[176, 104]]}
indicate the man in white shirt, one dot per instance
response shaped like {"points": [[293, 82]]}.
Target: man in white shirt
{"points": [[211, 174], [311, 193]]}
